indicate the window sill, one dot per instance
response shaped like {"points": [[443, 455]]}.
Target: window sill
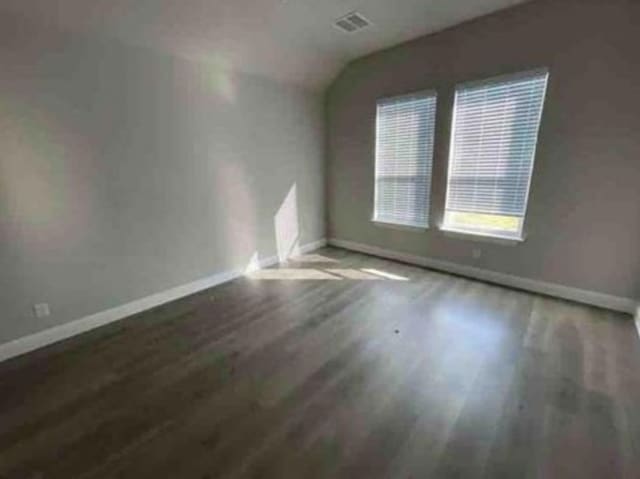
{"points": [[399, 226], [489, 238]]}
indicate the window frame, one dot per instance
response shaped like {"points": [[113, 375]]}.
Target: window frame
{"points": [[419, 94], [500, 235]]}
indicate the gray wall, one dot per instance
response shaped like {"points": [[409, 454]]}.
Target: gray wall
{"points": [[125, 172], [583, 221]]}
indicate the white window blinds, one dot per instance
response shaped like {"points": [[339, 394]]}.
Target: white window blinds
{"points": [[495, 131], [404, 154]]}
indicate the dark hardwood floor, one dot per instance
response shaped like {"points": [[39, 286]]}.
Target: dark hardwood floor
{"points": [[335, 365]]}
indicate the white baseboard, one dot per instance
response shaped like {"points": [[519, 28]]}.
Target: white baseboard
{"points": [[616, 303], [637, 318], [64, 331]]}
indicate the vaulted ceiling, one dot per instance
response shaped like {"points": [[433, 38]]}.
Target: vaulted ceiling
{"points": [[288, 40]]}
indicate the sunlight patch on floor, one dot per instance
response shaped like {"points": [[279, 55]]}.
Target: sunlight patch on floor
{"points": [[292, 274], [364, 274], [385, 274], [353, 274], [312, 258]]}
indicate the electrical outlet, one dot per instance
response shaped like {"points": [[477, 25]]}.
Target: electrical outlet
{"points": [[476, 253], [41, 310]]}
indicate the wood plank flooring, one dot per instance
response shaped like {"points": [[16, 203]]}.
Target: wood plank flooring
{"points": [[336, 365]]}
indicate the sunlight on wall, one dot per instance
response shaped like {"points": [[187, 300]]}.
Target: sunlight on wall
{"points": [[286, 226], [219, 78], [253, 264], [44, 174]]}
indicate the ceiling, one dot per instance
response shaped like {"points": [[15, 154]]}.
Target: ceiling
{"points": [[288, 40]]}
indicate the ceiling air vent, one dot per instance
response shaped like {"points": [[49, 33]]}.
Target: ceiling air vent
{"points": [[351, 22]]}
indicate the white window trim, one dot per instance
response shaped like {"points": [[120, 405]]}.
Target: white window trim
{"points": [[404, 96], [520, 236], [400, 226], [485, 237]]}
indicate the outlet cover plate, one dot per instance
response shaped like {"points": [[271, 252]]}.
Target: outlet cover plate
{"points": [[41, 310]]}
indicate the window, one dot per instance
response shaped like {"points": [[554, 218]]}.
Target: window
{"points": [[404, 154], [495, 131]]}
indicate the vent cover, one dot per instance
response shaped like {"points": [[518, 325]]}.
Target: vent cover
{"points": [[351, 22]]}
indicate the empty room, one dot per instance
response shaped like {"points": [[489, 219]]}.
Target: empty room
{"points": [[320, 239]]}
